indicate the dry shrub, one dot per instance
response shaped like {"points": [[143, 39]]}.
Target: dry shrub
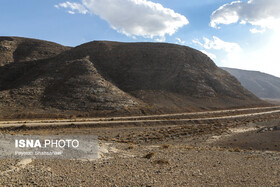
{"points": [[149, 155], [162, 162], [189, 147], [165, 146], [235, 150], [131, 146]]}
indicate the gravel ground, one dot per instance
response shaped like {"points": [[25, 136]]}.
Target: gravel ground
{"points": [[193, 160]]}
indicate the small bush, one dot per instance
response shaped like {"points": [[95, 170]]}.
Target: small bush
{"points": [[235, 150], [161, 162], [149, 155], [131, 146], [165, 146]]}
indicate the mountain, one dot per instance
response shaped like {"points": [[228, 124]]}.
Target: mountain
{"points": [[41, 79], [15, 49], [261, 84]]}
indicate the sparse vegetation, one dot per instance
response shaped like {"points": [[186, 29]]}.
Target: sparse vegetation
{"points": [[237, 149], [161, 162], [165, 146], [149, 155], [131, 146]]}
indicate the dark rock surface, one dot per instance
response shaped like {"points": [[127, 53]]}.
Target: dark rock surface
{"points": [[16, 49], [38, 77]]}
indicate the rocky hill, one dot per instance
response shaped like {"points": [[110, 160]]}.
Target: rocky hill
{"points": [[261, 84], [15, 49], [39, 78]]}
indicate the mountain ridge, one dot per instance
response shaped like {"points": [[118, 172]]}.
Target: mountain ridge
{"points": [[102, 77], [261, 84]]}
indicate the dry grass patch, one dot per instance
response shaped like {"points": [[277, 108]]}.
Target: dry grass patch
{"points": [[189, 147], [237, 149]]}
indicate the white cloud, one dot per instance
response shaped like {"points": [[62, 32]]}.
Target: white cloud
{"points": [[74, 7], [226, 14], [218, 44], [255, 30], [263, 15], [265, 58], [260, 13], [211, 55], [71, 12], [133, 17], [180, 41], [227, 51], [159, 39]]}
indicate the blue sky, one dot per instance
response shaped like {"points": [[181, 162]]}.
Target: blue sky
{"points": [[243, 34]]}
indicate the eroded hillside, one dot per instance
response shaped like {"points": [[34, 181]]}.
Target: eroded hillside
{"points": [[39, 78]]}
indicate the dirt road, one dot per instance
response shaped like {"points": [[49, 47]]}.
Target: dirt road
{"points": [[149, 119]]}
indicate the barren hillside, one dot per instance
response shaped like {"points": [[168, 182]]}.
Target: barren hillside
{"points": [[261, 84], [15, 49], [39, 78]]}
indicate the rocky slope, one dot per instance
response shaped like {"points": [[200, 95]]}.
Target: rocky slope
{"points": [[15, 49], [261, 84], [39, 78]]}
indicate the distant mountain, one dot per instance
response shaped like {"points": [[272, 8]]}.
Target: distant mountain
{"points": [[261, 84], [101, 77]]}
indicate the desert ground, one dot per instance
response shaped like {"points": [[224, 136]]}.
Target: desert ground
{"points": [[218, 148]]}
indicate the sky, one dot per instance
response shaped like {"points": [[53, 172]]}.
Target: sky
{"points": [[239, 34]]}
